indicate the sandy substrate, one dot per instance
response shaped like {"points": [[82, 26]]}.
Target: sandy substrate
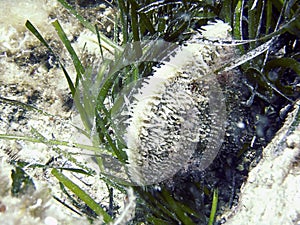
{"points": [[271, 194], [28, 74]]}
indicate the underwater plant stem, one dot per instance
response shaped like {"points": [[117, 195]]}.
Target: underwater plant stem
{"points": [[213, 208], [82, 195]]}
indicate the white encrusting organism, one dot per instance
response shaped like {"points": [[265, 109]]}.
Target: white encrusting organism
{"points": [[170, 112]]}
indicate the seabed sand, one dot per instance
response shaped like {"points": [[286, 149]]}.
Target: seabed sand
{"points": [[28, 75], [271, 194]]}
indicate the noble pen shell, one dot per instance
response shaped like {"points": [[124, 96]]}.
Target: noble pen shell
{"points": [[175, 118]]}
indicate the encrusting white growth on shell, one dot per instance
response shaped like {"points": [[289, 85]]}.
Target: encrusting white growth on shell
{"points": [[170, 112], [217, 29]]}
